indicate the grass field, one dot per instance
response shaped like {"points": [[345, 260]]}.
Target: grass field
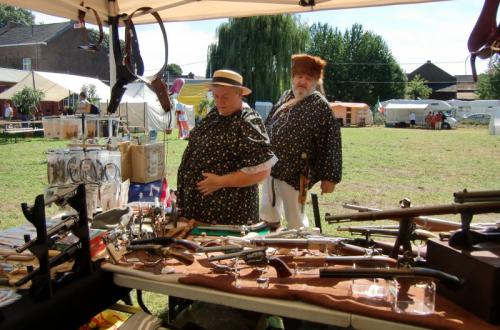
{"points": [[381, 166]]}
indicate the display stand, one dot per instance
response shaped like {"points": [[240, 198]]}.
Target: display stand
{"points": [[42, 287]]}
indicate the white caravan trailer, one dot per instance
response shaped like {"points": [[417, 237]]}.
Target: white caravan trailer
{"points": [[398, 115], [434, 105], [464, 109]]}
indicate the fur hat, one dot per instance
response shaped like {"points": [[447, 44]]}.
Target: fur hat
{"points": [[307, 64], [229, 78]]}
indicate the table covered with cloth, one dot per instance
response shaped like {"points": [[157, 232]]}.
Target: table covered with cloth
{"points": [[305, 286]]}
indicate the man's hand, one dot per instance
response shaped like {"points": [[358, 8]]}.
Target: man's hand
{"points": [[210, 184], [327, 187]]}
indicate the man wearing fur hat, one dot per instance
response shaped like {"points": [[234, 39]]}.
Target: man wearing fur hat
{"points": [[305, 137], [227, 155]]}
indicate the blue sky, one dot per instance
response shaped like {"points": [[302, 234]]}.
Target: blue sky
{"points": [[435, 31]]}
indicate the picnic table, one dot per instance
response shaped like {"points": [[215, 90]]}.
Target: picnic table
{"points": [[15, 129]]}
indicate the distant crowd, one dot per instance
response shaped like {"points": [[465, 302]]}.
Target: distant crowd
{"points": [[434, 121]]}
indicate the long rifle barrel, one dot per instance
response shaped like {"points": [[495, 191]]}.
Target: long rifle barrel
{"points": [[477, 196], [429, 223], [449, 280], [475, 208]]}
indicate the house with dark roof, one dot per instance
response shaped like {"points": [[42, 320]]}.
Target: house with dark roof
{"points": [[445, 86], [51, 48]]}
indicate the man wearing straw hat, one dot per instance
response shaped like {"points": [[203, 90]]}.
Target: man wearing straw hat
{"points": [[227, 155], [305, 137]]}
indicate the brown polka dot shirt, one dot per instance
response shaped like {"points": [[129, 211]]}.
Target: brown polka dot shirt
{"points": [[307, 127], [222, 145]]}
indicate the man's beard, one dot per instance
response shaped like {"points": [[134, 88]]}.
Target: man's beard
{"points": [[301, 93]]}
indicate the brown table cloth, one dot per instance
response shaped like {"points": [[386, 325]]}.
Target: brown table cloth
{"points": [[306, 286]]}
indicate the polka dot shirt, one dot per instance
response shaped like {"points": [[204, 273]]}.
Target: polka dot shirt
{"points": [[222, 145], [309, 127]]}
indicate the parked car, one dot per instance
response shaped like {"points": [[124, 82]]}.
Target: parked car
{"points": [[477, 119]]}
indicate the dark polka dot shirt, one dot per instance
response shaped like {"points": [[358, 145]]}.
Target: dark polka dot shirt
{"points": [[309, 127], [222, 145]]}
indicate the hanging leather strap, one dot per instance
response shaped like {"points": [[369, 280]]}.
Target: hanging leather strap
{"points": [[123, 74], [87, 45], [157, 84]]}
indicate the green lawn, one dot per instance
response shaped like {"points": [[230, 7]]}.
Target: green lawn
{"points": [[381, 166]]}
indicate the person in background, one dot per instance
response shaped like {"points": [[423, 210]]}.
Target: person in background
{"points": [[428, 120], [228, 154], [438, 121], [7, 111], [180, 111], [305, 136], [412, 119]]}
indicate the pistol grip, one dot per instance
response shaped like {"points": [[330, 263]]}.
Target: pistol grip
{"points": [[186, 259], [281, 267]]}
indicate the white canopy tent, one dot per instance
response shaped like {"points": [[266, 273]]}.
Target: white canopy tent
{"points": [[189, 10], [12, 75], [57, 86], [141, 108]]}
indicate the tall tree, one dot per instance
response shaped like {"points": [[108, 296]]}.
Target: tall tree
{"points": [[360, 65], [15, 15], [417, 89], [488, 85], [260, 48], [174, 69]]}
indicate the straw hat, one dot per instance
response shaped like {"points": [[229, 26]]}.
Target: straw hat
{"points": [[229, 78], [307, 64]]}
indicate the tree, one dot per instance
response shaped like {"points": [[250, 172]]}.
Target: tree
{"points": [[417, 89], [27, 100], [15, 15], [360, 66], [174, 70], [488, 85], [260, 49]]}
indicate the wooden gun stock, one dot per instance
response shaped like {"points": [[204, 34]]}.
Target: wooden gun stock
{"points": [[166, 252], [185, 258]]}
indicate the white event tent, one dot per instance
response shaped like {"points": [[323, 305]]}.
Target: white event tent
{"points": [[57, 86], [189, 10]]}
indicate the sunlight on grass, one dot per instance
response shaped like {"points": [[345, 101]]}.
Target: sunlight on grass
{"points": [[381, 166]]}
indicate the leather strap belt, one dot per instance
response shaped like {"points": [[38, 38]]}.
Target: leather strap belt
{"points": [[131, 67], [123, 74], [89, 46], [157, 84]]}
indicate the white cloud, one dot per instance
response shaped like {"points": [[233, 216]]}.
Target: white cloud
{"points": [[187, 47]]}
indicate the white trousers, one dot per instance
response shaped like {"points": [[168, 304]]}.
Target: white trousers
{"points": [[286, 199]]}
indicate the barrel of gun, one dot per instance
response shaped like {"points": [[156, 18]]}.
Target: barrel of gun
{"points": [[475, 208]]}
